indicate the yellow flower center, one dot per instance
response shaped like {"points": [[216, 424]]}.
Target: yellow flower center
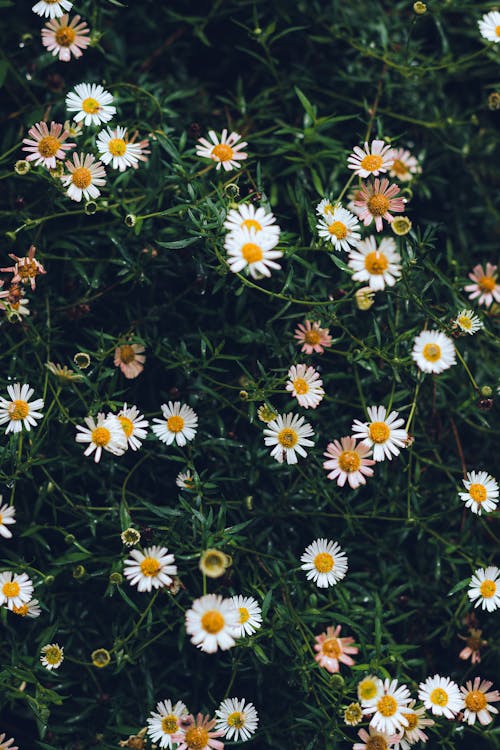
{"points": [[1, 519], [331, 648], [81, 177], [349, 461], [18, 410], [300, 385], [478, 492], [387, 705], [196, 738], [212, 621], [497, 30], [376, 742], [53, 655], [287, 437], [432, 352], [11, 589], [367, 689], [379, 432], [439, 697], [475, 701], [236, 719], [328, 209], [175, 423], [65, 36], [488, 588], [22, 610], [372, 162], [412, 720], [127, 354], [312, 337], [399, 167], [251, 224], [150, 567], [91, 106], [169, 724], [222, 152], [27, 269], [48, 146], [339, 229], [101, 436], [378, 204], [464, 322], [324, 562], [252, 252], [117, 146], [127, 425], [376, 263], [244, 615], [487, 283]]}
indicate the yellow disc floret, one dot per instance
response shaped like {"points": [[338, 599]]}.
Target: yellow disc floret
{"points": [[222, 152], [324, 562], [212, 621]]}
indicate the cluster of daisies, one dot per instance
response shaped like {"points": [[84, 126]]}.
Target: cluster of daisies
{"points": [[61, 35]]}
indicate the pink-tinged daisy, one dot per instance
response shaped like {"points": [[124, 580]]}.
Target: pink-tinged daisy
{"points": [[485, 285], [247, 248], [29, 609], [332, 650], [25, 269], [51, 8], [134, 425], [489, 26], [441, 695], [246, 216], [433, 352], [485, 588], [116, 149], [211, 622], [312, 337], [7, 517], [404, 166], [45, 146], [482, 492], [417, 722], [226, 151], [306, 386], [198, 734], [382, 433], [130, 359], [15, 304], [340, 228], [65, 38], [376, 158], [151, 569], [324, 562], [249, 614], [15, 590], [237, 719], [477, 701], [467, 322], [105, 434], [379, 266], [388, 709], [166, 722], [85, 175], [20, 412], [288, 433], [474, 643], [375, 740], [178, 425], [91, 102], [348, 461], [7, 744], [377, 200]]}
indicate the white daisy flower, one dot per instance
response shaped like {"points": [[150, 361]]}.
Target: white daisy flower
{"points": [[379, 266], [19, 411], [288, 433], [91, 102], [348, 461], [417, 722], [249, 614], [383, 433], [433, 351], [185, 480], [341, 228], [489, 26], [15, 590], [133, 425], [165, 722], [485, 587], [247, 248], [85, 175], [237, 719], [305, 384], [467, 322], [404, 166], [151, 569], [51, 8], [106, 433], [7, 514], [326, 208], [246, 216], [211, 622], [115, 149], [370, 689], [477, 701], [178, 425], [375, 159], [325, 563], [388, 709], [482, 492], [52, 656], [441, 695], [29, 609], [226, 151]]}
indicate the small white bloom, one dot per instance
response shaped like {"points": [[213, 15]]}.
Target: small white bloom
{"points": [[306, 385], [489, 26], [404, 166], [7, 514], [185, 480], [15, 590], [383, 433], [211, 622], [165, 723], [226, 151], [106, 433], [247, 248], [249, 613], [370, 689], [374, 160], [91, 102], [133, 425], [433, 351], [441, 695], [52, 656], [379, 266], [325, 562], [237, 719], [341, 228], [151, 569], [288, 433], [388, 709], [178, 425], [482, 492], [29, 609], [326, 208], [85, 176], [51, 8], [485, 588], [19, 411], [115, 149], [417, 722], [246, 216], [467, 322]]}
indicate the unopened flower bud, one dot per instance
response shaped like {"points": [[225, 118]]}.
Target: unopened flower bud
{"points": [[420, 8], [22, 167], [364, 297]]}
